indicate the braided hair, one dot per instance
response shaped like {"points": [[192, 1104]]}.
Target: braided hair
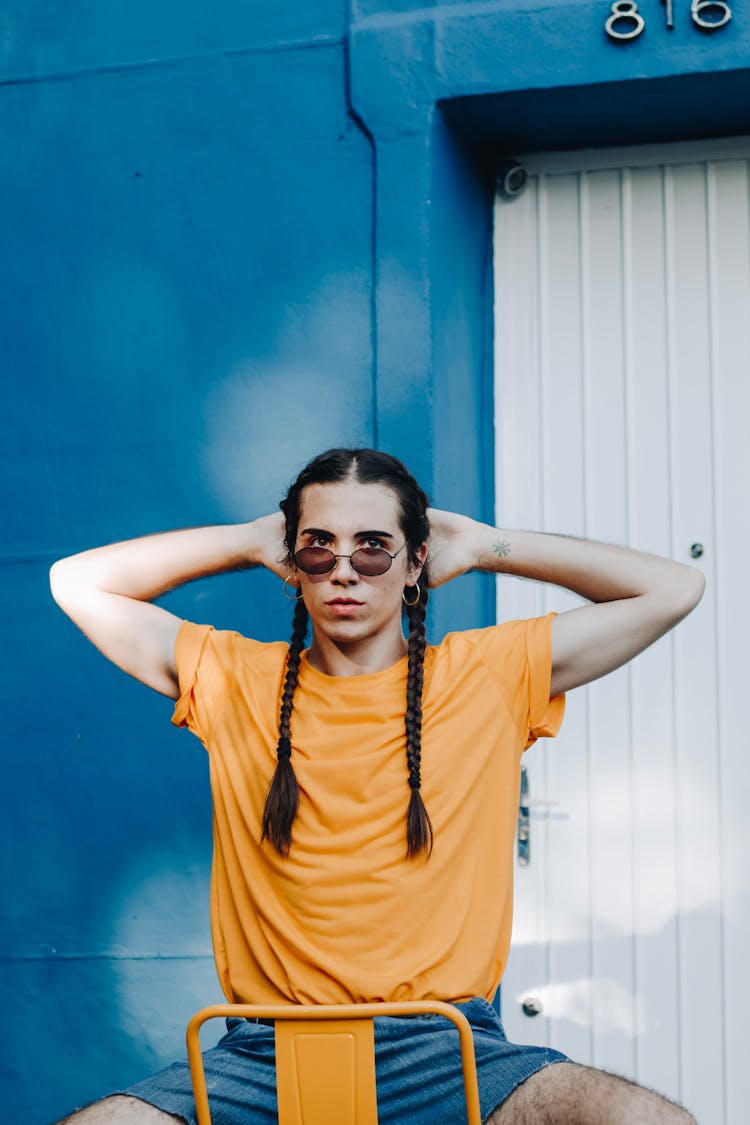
{"points": [[418, 824], [366, 466], [282, 801]]}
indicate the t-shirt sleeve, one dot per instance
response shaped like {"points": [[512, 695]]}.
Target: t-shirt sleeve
{"points": [[200, 677], [518, 657], [545, 714]]}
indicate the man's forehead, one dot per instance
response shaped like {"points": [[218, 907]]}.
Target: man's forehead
{"points": [[350, 503]]}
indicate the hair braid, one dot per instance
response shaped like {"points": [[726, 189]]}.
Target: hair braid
{"points": [[418, 824], [282, 801]]}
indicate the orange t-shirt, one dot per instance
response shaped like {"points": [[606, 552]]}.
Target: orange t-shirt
{"points": [[346, 917]]}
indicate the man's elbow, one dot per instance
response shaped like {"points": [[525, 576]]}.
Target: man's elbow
{"points": [[62, 581], [55, 579], [689, 590]]}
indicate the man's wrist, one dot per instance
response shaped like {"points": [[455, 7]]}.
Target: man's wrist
{"points": [[263, 543], [494, 549], [251, 543]]}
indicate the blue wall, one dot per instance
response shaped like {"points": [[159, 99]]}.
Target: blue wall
{"points": [[233, 238]]}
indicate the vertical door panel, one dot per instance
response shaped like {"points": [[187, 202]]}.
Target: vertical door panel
{"points": [[605, 329], [697, 809], [651, 675], [517, 419], [730, 276], [567, 902]]}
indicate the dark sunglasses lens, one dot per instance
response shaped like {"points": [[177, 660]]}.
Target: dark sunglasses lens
{"points": [[371, 561], [315, 560]]}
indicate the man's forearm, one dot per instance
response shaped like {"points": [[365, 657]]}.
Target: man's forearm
{"points": [[147, 567], [597, 571]]}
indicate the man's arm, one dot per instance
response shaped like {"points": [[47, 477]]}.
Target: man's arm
{"points": [[637, 597], [108, 591]]}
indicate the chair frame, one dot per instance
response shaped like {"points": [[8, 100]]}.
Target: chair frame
{"points": [[316, 1020]]}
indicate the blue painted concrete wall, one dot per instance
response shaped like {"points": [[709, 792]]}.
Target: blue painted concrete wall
{"points": [[186, 318], [233, 238]]}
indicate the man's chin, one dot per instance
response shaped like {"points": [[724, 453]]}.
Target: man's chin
{"points": [[345, 629]]}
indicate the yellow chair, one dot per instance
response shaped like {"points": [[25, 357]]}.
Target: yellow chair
{"points": [[325, 1058]]}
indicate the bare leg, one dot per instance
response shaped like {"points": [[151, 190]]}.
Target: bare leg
{"points": [[121, 1110], [569, 1094]]}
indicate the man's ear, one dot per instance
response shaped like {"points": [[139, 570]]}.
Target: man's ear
{"points": [[415, 569], [293, 576]]}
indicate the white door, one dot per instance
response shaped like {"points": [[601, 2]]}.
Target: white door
{"points": [[622, 357]]}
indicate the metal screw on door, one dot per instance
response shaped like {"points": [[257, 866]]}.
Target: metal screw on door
{"points": [[696, 550], [531, 1006]]}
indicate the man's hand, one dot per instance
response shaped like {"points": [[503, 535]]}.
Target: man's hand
{"points": [[269, 549], [452, 545]]}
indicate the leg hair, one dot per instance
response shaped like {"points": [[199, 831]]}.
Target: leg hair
{"points": [[571, 1094], [121, 1109]]}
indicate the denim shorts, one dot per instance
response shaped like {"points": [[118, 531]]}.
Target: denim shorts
{"points": [[417, 1067]]}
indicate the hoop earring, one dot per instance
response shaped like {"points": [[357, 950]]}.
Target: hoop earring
{"points": [[416, 600], [291, 597]]}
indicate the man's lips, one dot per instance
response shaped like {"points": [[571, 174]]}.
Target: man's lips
{"points": [[343, 607]]}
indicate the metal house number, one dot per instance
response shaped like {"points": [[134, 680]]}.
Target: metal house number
{"points": [[710, 15], [625, 22]]}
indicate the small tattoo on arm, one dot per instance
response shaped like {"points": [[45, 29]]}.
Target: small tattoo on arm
{"points": [[502, 548]]}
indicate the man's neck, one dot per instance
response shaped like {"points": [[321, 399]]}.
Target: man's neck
{"points": [[358, 658]]}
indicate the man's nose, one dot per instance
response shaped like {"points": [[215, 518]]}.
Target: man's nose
{"points": [[343, 569]]}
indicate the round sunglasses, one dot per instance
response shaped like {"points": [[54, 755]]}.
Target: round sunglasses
{"points": [[368, 561]]}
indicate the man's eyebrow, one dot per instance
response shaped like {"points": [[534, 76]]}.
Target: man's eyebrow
{"points": [[372, 534]]}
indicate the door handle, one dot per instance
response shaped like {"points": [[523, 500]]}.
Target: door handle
{"points": [[523, 827]]}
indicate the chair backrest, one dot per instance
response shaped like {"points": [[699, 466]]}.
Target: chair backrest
{"points": [[325, 1072], [325, 1058]]}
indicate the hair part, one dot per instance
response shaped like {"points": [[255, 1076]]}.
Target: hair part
{"points": [[366, 466]]}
